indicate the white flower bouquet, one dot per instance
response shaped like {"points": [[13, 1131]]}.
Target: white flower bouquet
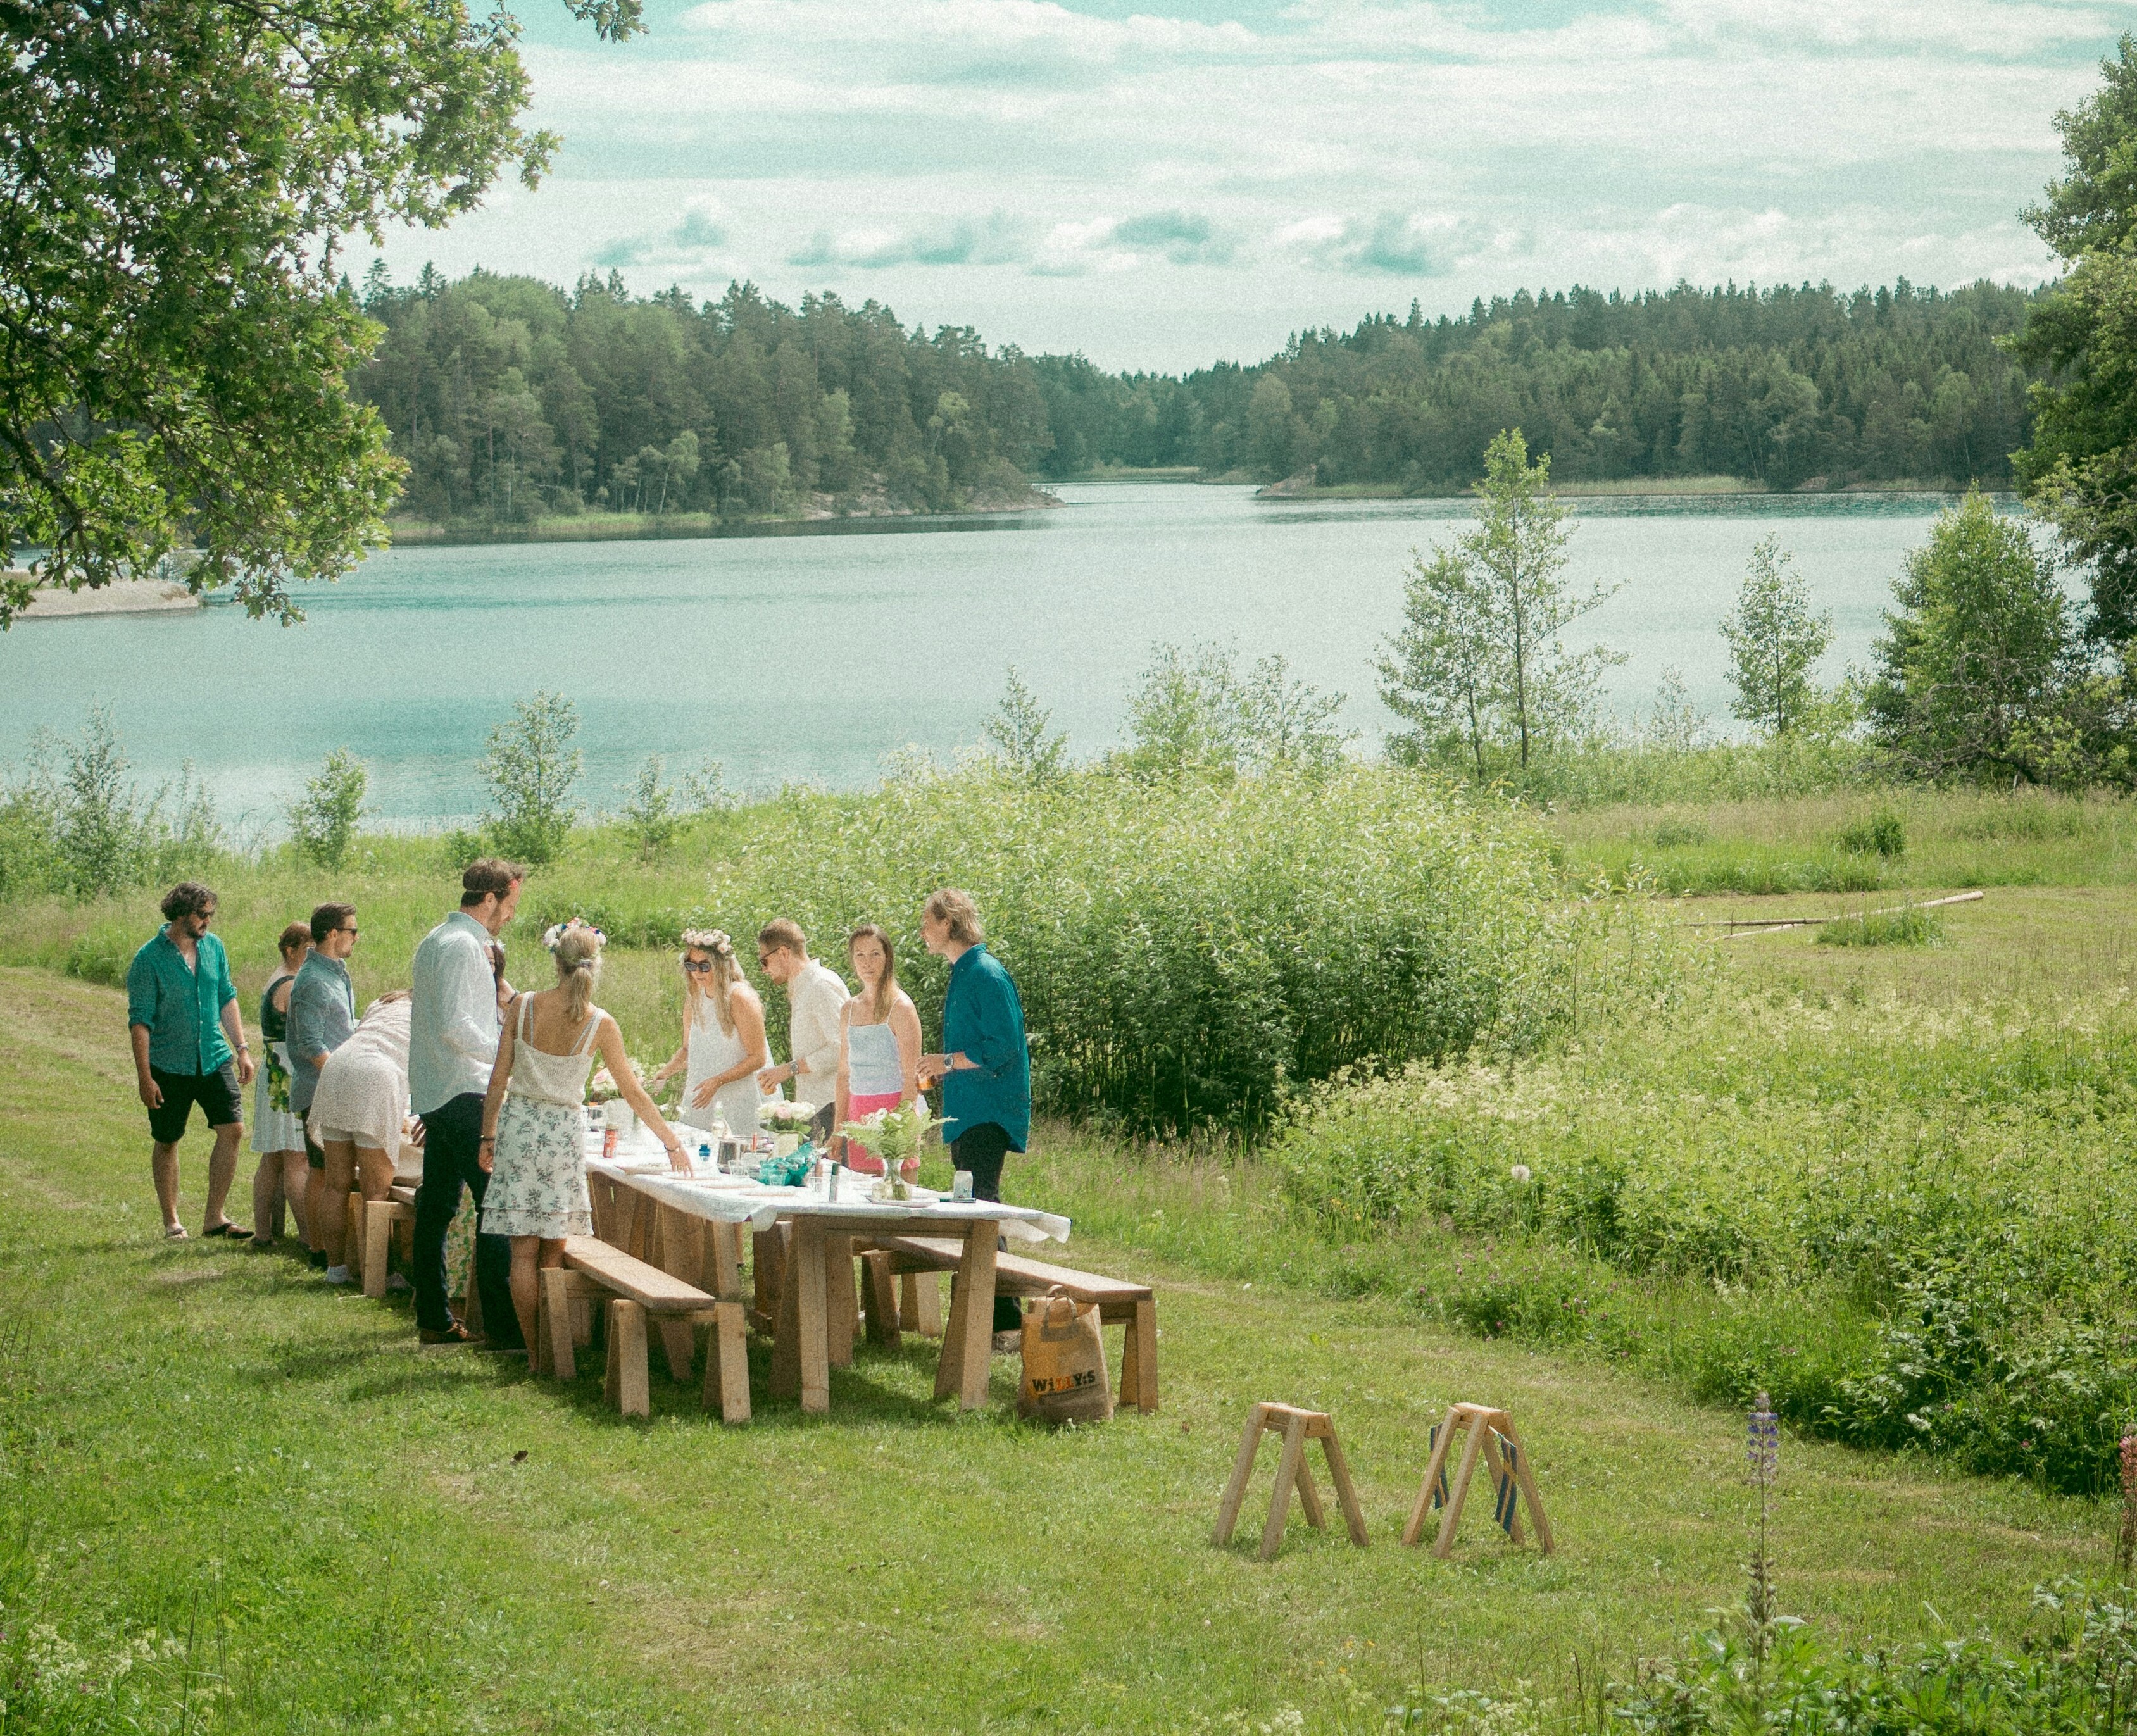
{"points": [[778, 1115], [895, 1136]]}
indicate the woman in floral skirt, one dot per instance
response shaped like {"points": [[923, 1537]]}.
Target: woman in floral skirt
{"points": [[531, 1120]]}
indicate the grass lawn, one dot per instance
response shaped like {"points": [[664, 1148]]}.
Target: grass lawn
{"points": [[1818, 844], [346, 1532]]}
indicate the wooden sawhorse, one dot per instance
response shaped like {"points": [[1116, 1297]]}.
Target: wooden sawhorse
{"points": [[1510, 1473], [1298, 1426]]}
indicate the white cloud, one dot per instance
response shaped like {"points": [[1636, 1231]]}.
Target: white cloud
{"points": [[699, 231], [1160, 189]]}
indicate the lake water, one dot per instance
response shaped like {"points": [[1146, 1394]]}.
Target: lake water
{"points": [[811, 656]]}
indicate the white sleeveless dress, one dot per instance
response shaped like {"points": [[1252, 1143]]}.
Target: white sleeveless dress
{"points": [[712, 1052], [538, 1179]]}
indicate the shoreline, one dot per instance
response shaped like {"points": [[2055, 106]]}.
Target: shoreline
{"points": [[121, 597], [641, 527], [1640, 488]]}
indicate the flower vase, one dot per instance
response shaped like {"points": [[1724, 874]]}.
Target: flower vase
{"points": [[617, 1114]]}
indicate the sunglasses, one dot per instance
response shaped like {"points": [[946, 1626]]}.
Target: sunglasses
{"points": [[697, 966], [350, 931]]}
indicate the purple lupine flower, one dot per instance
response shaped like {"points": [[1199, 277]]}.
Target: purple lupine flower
{"points": [[1762, 1440]]}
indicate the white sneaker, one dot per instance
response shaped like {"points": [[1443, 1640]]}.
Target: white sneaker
{"points": [[395, 1281], [338, 1275]]}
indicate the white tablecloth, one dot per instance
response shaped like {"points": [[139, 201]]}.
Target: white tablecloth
{"points": [[640, 1164]]}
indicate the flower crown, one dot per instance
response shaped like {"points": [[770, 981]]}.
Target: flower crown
{"points": [[713, 940], [554, 936]]}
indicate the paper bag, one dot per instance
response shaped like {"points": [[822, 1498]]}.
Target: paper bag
{"points": [[1064, 1363]]}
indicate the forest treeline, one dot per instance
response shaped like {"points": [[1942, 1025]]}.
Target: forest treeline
{"points": [[511, 399]]}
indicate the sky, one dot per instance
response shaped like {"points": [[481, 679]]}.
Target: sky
{"points": [[1166, 188]]}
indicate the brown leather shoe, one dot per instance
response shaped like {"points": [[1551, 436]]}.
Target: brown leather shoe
{"points": [[455, 1334]]}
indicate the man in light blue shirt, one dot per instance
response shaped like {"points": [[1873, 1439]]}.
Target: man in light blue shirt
{"points": [[454, 999]]}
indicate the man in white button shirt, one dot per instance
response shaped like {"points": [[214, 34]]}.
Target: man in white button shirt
{"points": [[452, 1041], [815, 998]]}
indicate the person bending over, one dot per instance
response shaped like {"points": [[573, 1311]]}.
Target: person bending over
{"points": [[361, 1110]]}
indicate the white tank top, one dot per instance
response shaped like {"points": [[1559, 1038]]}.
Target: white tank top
{"points": [[546, 1078]]}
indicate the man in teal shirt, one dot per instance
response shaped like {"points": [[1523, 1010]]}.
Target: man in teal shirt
{"points": [[188, 1038], [984, 1066]]}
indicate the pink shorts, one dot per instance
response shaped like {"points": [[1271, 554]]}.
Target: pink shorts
{"points": [[858, 1156]]}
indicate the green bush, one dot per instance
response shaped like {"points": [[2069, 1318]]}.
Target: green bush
{"points": [[1852, 1208], [2077, 1673], [1606, 773], [1189, 952], [1883, 833], [1675, 833], [531, 767], [1883, 928], [325, 821], [102, 954]]}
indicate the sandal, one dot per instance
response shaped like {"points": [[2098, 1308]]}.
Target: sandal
{"points": [[227, 1228], [455, 1334], [176, 1233]]}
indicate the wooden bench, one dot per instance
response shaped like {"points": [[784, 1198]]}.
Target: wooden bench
{"points": [[377, 1220], [1120, 1302], [636, 1289]]}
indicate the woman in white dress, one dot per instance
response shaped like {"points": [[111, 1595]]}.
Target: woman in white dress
{"points": [[278, 1131], [360, 1109], [533, 1116], [723, 1046]]}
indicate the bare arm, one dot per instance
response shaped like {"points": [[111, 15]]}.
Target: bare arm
{"points": [[619, 1067], [842, 1092], [152, 1093], [233, 1028], [675, 1064], [905, 1027], [494, 1099]]}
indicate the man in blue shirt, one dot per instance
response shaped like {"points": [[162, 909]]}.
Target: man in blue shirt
{"points": [[188, 1038], [984, 1065]]}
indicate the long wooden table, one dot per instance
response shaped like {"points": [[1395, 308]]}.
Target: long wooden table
{"points": [[821, 1234]]}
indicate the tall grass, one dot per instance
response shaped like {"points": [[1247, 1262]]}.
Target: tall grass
{"points": [[1856, 841], [1914, 1228], [1189, 952]]}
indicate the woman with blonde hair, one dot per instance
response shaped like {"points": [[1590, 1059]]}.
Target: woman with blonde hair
{"points": [[531, 1118], [723, 1045], [878, 1043]]}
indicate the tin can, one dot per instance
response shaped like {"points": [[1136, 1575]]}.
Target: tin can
{"points": [[608, 1142]]}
